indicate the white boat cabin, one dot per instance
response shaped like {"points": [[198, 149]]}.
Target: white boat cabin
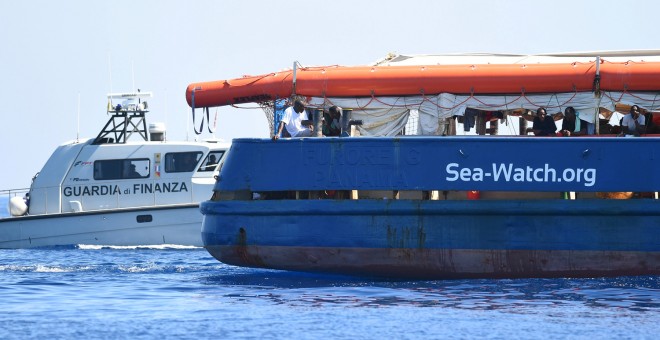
{"points": [[83, 176], [111, 172]]}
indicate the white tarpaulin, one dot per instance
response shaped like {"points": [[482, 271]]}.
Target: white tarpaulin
{"points": [[386, 116]]}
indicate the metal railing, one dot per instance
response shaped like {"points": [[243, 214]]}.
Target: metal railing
{"points": [[13, 192]]}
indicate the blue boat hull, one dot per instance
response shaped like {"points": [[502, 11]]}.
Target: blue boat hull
{"points": [[420, 239]]}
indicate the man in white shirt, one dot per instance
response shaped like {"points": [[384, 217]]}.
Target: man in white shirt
{"points": [[296, 121], [634, 123]]}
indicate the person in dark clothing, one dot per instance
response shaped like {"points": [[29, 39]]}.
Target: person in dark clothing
{"points": [[572, 125], [331, 122], [132, 172], [544, 125]]}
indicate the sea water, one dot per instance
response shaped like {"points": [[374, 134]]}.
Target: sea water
{"points": [[89, 292]]}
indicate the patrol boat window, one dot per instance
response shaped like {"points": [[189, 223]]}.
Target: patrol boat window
{"points": [[182, 161], [211, 161], [110, 169]]}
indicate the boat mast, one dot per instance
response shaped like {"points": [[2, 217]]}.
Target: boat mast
{"points": [[126, 118], [293, 90]]}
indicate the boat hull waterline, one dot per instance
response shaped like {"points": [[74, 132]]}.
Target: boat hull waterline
{"points": [[147, 226], [439, 239], [410, 216]]}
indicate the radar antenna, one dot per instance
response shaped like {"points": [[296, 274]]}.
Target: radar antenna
{"points": [[126, 118]]}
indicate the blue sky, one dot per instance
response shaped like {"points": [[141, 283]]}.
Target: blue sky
{"points": [[54, 52]]}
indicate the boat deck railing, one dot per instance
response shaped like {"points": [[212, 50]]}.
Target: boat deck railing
{"points": [[422, 195], [427, 168], [9, 193]]}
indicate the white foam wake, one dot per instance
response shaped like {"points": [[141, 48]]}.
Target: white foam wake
{"points": [[159, 246]]}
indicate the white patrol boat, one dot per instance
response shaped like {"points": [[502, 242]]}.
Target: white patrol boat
{"points": [[112, 191]]}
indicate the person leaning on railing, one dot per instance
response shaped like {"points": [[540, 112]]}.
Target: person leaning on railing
{"points": [[544, 125], [572, 125], [634, 123]]}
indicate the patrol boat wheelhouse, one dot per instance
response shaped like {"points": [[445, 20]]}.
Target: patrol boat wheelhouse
{"points": [[111, 191]]}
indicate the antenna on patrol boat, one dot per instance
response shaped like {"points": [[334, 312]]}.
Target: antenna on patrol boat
{"points": [[133, 74], [110, 70], [188, 125], [167, 111], [78, 121]]}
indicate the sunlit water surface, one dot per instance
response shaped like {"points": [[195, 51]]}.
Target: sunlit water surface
{"points": [[94, 292]]}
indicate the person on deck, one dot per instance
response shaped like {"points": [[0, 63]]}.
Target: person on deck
{"points": [[132, 172], [296, 121], [331, 122], [544, 125], [187, 162], [572, 125], [210, 164], [634, 123]]}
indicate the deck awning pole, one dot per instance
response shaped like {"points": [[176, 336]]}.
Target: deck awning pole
{"points": [[295, 65], [597, 94]]}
